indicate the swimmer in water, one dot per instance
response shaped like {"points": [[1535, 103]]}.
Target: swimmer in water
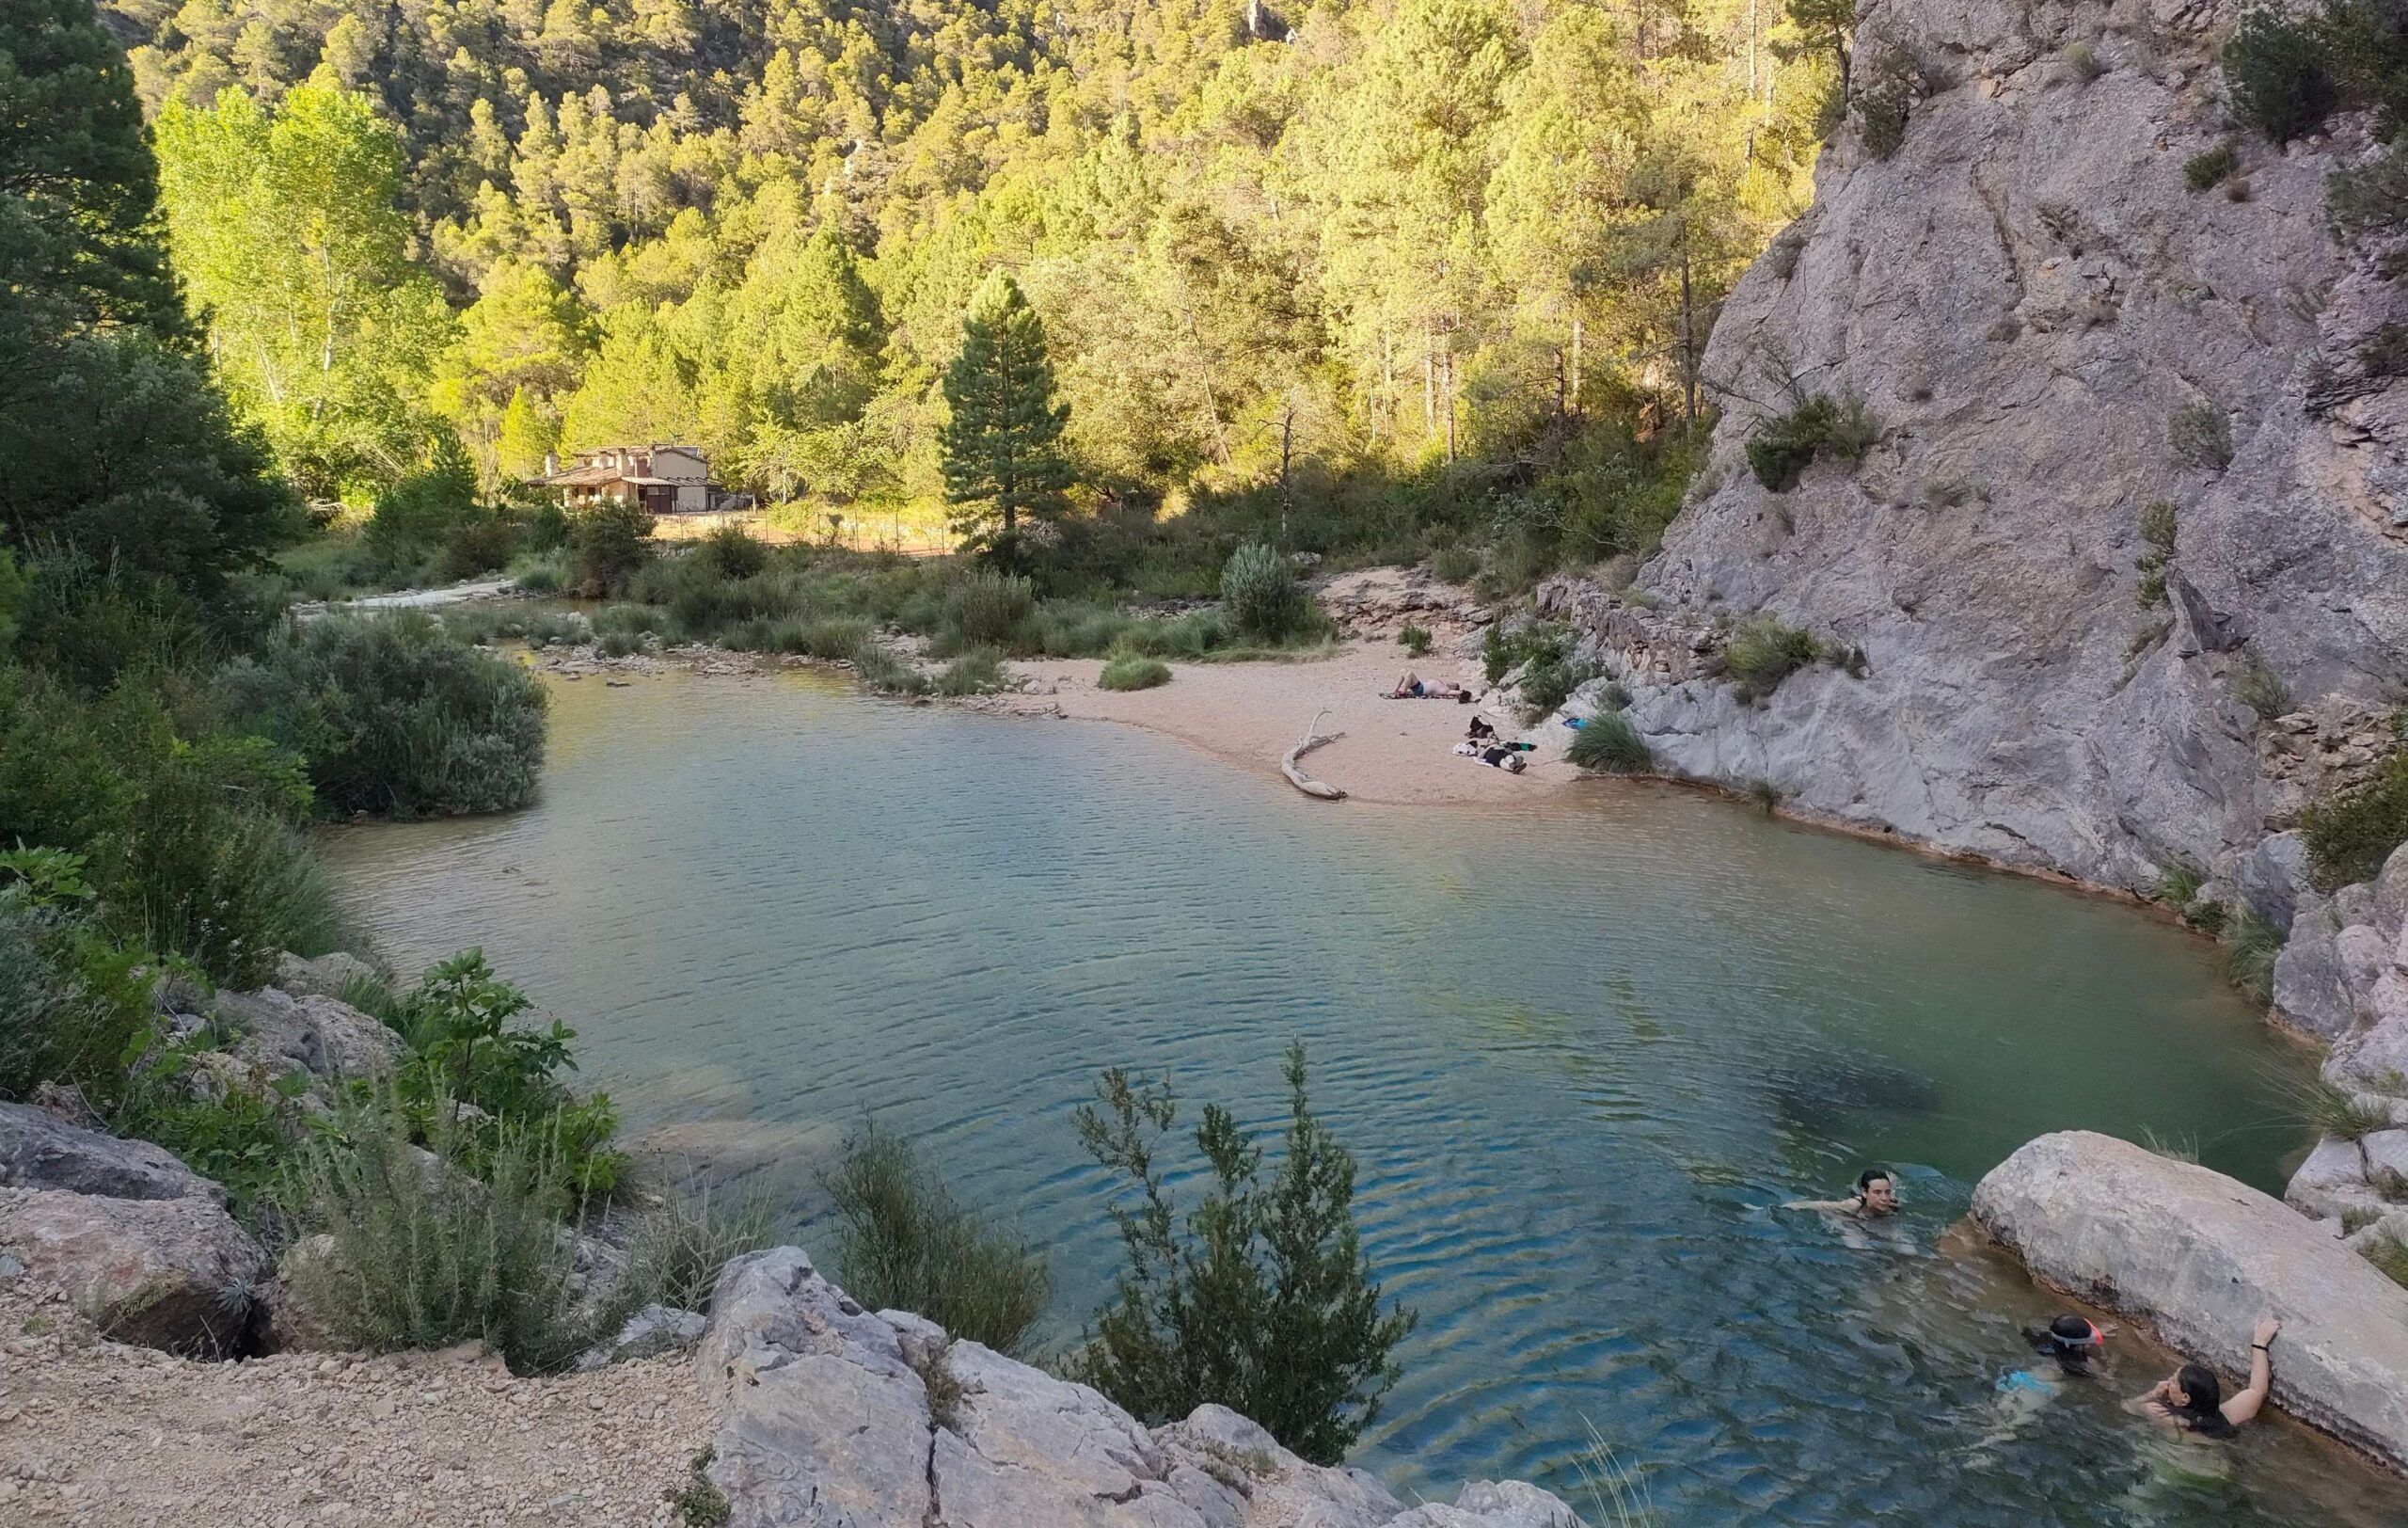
{"points": [[1876, 1197], [2192, 1404], [2073, 1343]]}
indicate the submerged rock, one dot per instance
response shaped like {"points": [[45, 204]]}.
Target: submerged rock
{"points": [[834, 1415], [39, 1150], [2201, 1258], [176, 1273]]}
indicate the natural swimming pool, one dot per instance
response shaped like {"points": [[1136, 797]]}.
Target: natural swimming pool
{"points": [[1578, 1050]]}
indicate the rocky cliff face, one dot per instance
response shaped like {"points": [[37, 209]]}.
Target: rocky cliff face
{"points": [[2051, 330]]}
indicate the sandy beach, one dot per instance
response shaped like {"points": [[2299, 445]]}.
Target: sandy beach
{"points": [[1396, 752]]}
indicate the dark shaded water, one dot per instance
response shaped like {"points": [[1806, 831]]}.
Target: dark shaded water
{"points": [[1579, 1049]]}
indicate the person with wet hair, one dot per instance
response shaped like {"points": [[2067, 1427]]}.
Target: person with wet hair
{"points": [[2192, 1401], [1876, 1197], [2073, 1341]]}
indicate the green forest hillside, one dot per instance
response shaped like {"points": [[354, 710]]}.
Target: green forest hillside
{"points": [[1338, 242]]}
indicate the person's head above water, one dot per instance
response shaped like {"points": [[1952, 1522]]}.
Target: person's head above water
{"points": [[2069, 1339], [1877, 1192], [2202, 1392]]}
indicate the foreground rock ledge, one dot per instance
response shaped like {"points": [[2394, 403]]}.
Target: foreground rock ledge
{"points": [[2201, 1257], [834, 1415]]}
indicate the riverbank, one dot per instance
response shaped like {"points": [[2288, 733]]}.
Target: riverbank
{"points": [[1248, 714]]}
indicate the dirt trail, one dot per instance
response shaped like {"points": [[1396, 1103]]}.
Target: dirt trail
{"points": [[92, 1433]]}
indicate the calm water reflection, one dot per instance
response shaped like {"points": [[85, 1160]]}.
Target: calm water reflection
{"points": [[1579, 1049]]}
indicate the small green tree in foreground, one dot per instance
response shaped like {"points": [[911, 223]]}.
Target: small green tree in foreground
{"points": [[1260, 1299], [1002, 446]]}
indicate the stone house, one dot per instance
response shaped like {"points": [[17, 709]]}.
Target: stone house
{"points": [[665, 479]]}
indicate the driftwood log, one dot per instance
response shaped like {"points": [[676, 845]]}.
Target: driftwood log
{"points": [[1312, 739]]}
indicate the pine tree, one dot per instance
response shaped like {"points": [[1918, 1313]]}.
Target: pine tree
{"points": [[1263, 1300], [1002, 447]]}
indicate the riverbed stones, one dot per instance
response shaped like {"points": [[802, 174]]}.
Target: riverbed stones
{"points": [[2201, 1258], [835, 1416], [39, 1150], [175, 1274]]}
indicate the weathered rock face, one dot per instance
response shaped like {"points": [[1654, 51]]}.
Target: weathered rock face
{"points": [[39, 1150], [2049, 328], [838, 1418], [323, 1036], [2202, 1258], [177, 1274], [328, 975]]}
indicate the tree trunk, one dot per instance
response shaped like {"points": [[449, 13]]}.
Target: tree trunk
{"points": [[1575, 365], [1689, 338]]}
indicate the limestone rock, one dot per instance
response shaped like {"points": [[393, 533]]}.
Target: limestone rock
{"points": [[1999, 292], [323, 1036], [649, 1333], [177, 1274], [2272, 879], [39, 1150], [325, 977], [2201, 1258], [835, 1418]]}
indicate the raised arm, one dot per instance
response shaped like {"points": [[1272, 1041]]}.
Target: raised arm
{"points": [[2243, 1407], [1820, 1204]]}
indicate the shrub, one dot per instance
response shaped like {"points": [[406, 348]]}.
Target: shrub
{"points": [[480, 1082], [2250, 946], [1784, 445], [609, 543], [978, 672], [1133, 671], [1616, 696], [2082, 60], [1454, 565], [877, 667], [2389, 1255], [73, 1000], [239, 1132], [542, 574], [1549, 679], [2349, 835], [989, 608], [1414, 639], [904, 1244], [1609, 744], [2275, 68], [2258, 688], [393, 714], [678, 1245], [1261, 1299], [480, 542], [1884, 102], [2205, 170], [1259, 588], [2201, 436], [699, 1504], [1763, 652], [731, 552], [425, 1256]]}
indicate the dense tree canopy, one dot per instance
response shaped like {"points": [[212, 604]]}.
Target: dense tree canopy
{"points": [[122, 458], [1390, 233]]}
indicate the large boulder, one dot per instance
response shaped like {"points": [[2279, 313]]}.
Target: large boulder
{"points": [[328, 975], [650, 1333], [177, 1274], [39, 1150], [2201, 1258], [323, 1036], [834, 1415]]}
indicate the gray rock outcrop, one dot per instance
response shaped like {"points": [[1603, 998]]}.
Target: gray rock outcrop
{"points": [[835, 1417], [323, 1036], [328, 975], [2049, 331], [39, 1150], [2344, 979], [2201, 1258], [177, 1274], [649, 1333]]}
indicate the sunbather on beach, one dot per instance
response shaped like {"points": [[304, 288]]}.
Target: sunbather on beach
{"points": [[1508, 760], [1413, 687]]}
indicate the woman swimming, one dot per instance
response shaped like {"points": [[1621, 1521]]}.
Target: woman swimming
{"points": [[2193, 1400]]}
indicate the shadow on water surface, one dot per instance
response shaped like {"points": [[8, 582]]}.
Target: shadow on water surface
{"points": [[1579, 1049]]}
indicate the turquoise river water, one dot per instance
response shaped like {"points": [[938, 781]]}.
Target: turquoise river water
{"points": [[1581, 1050]]}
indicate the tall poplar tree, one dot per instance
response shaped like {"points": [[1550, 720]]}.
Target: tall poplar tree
{"points": [[1002, 448]]}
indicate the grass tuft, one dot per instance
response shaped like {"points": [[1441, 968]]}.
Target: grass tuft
{"points": [[1609, 745], [1133, 671]]}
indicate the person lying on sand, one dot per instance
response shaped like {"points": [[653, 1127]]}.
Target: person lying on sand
{"points": [[1876, 1196], [2192, 1401], [1413, 687], [1508, 760]]}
